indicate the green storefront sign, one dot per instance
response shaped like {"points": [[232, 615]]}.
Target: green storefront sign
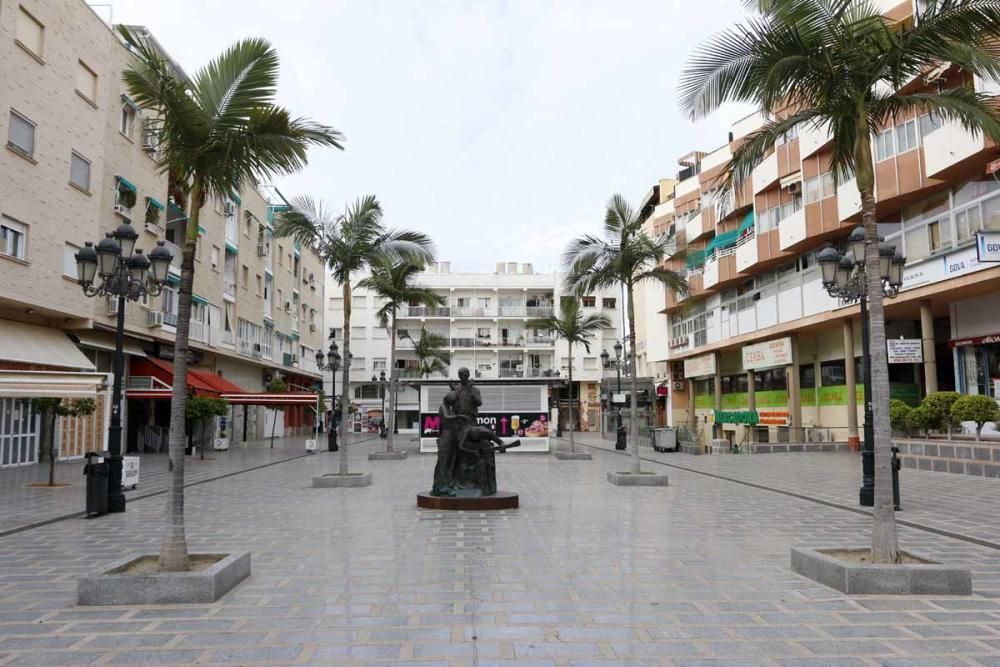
{"points": [[736, 417]]}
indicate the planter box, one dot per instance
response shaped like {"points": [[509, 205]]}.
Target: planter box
{"points": [[387, 456], [115, 586], [333, 481], [573, 456], [642, 479], [962, 456], [922, 578]]}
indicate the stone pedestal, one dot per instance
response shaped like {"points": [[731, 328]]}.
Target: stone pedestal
{"points": [[573, 456], [641, 479], [334, 481], [501, 500], [387, 456]]}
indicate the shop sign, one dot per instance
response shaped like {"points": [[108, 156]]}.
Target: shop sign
{"points": [[736, 417], [772, 353], [975, 340], [699, 366], [905, 350], [504, 424], [662, 390], [988, 246], [618, 399], [923, 273], [773, 417], [961, 262], [130, 471]]}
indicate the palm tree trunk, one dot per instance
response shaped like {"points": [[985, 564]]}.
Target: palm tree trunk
{"points": [[572, 438], [633, 410], [173, 548], [390, 423], [885, 542], [345, 401], [49, 438]]}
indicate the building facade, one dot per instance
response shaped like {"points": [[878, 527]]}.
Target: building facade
{"points": [[80, 158], [485, 326], [751, 264]]}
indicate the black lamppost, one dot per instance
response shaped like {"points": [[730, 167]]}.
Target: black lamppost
{"points": [[619, 429], [126, 275], [382, 384], [844, 278], [332, 363]]}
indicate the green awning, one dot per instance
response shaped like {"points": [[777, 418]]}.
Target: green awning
{"points": [[232, 246], [268, 272], [125, 183], [155, 203], [129, 101], [199, 299], [268, 320], [201, 230], [236, 198], [173, 280], [721, 241], [748, 222], [695, 258]]}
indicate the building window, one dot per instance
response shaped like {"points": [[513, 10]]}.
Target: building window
{"points": [[260, 285], [928, 124], [79, 171], [13, 238], [807, 376], [245, 276], [21, 134], [884, 148], [609, 304], [127, 118], [378, 334], [590, 363], [69, 260], [215, 257], [357, 363], [357, 333], [773, 379], [588, 301], [787, 136], [378, 365], [906, 136], [86, 82], [30, 33], [832, 373], [337, 332]]}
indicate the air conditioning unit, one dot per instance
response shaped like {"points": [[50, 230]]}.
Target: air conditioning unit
{"points": [[263, 249], [123, 210], [795, 187], [154, 318], [678, 385], [150, 141]]}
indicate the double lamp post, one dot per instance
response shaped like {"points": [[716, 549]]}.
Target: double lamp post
{"points": [[619, 429], [331, 361], [844, 279], [126, 274]]}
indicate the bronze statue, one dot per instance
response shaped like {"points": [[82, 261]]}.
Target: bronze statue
{"points": [[466, 455]]}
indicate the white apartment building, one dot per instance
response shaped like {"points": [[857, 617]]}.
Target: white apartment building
{"points": [[78, 160], [485, 321]]}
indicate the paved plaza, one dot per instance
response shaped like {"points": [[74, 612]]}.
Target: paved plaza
{"points": [[584, 573]]}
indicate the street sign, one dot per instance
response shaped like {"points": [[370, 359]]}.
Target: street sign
{"points": [[905, 350], [618, 398], [988, 246]]}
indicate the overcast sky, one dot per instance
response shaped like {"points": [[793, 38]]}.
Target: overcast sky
{"points": [[499, 128]]}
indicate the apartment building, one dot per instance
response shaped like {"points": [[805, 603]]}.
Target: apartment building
{"points": [[485, 325], [79, 160], [751, 264]]}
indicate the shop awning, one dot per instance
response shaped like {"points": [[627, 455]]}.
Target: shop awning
{"points": [[31, 344], [106, 341], [153, 378], [51, 384]]}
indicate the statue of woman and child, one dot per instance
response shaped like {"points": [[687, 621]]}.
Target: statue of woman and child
{"points": [[466, 456]]}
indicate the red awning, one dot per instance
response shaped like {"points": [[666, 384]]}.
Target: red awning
{"points": [[153, 378]]}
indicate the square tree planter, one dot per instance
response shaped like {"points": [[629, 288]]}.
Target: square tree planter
{"points": [[387, 456], [334, 480], [135, 581], [917, 575], [572, 456], [640, 479]]}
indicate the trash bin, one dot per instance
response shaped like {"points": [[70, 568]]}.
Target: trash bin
{"points": [[96, 471], [665, 439], [331, 439], [620, 438], [897, 463]]}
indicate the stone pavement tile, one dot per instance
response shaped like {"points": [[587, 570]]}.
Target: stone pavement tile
{"points": [[255, 654], [358, 652], [776, 632], [933, 661], [822, 662], [860, 647], [721, 662], [593, 634], [647, 649], [556, 619], [504, 633], [126, 641], [688, 632], [174, 612], [516, 663], [196, 625], [87, 615], [555, 649], [898, 603], [53, 659], [874, 630], [961, 616], [209, 639], [106, 627], [12, 629], [319, 637], [943, 630], [37, 643], [745, 648], [154, 657], [615, 663], [936, 646]]}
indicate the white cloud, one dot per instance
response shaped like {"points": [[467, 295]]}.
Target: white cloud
{"points": [[499, 127]]}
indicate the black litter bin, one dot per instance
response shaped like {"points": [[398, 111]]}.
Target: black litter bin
{"points": [[97, 484], [620, 438]]}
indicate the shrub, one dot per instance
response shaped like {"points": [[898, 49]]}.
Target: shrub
{"points": [[979, 409], [939, 405], [899, 414], [921, 419]]}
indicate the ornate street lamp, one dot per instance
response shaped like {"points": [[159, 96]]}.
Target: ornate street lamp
{"points": [[126, 274], [333, 361], [844, 278], [382, 383]]}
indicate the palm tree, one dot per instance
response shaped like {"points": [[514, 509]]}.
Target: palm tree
{"points": [[218, 131], [573, 327], [391, 280], [349, 243], [432, 357], [839, 65], [625, 256]]}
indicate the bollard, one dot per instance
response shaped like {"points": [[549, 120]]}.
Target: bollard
{"points": [[897, 463]]}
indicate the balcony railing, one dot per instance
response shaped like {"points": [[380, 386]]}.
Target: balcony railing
{"points": [[198, 330], [512, 311], [175, 250], [511, 373], [423, 311], [473, 312], [540, 340], [539, 311], [170, 318], [229, 286], [245, 347], [228, 338], [512, 342]]}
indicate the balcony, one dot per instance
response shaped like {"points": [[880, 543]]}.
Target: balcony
{"points": [[512, 311], [423, 311], [746, 252], [849, 198], [539, 311], [792, 230], [244, 347], [539, 341], [178, 255], [511, 373], [170, 319], [765, 174], [229, 287], [746, 125], [698, 226], [812, 139], [947, 146], [198, 330], [517, 341], [473, 312], [711, 271], [267, 309]]}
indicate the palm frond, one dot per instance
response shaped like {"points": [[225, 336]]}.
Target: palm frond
{"points": [[235, 83]]}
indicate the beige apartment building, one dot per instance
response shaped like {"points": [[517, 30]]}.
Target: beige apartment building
{"points": [[79, 160], [758, 330]]}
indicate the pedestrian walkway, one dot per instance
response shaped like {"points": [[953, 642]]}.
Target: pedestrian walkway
{"points": [[950, 502], [22, 504], [584, 573]]}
